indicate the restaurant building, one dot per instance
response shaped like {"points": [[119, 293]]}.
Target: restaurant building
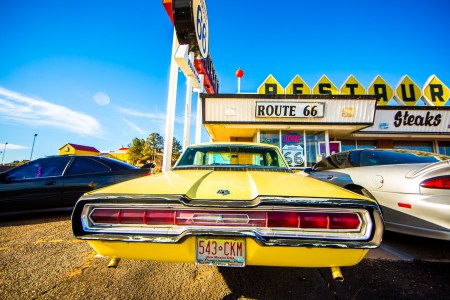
{"points": [[311, 123]]}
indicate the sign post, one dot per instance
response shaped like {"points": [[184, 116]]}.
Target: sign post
{"points": [[198, 124], [171, 103], [190, 20]]}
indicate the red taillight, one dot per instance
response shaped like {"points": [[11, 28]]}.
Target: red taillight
{"points": [[442, 182], [313, 220], [272, 219], [160, 217], [133, 216], [110, 216], [282, 219], [344, 221]]}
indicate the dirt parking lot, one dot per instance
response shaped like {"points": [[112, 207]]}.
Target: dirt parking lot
{"points": [[40, 259]]}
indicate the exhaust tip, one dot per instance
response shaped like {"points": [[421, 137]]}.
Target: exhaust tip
{"points": [[113, 263], [337, 275]]}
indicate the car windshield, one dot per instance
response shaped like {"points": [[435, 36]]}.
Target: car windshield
{"points": [[374, 158], [231, 155]]}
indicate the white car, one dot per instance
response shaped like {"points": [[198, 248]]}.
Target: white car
{"points": [[412, 187]]}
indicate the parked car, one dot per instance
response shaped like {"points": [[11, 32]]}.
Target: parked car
{"points": [[230, 204], [412, 187], [56, 182]]}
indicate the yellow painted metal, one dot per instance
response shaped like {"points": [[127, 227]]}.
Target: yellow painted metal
{"points": [[325, 87], [378, 87], [270, 86], [255, 253], [435, 92], [407, 92], [298, 87], [352, 86], [204, 184]]}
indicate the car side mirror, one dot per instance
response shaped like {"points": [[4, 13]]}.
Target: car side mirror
{"points": [[4, 178], [308, 170]]}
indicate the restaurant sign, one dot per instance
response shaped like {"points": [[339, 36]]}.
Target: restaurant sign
{"points": [[406, 93], [289, 109], [411, 121]]}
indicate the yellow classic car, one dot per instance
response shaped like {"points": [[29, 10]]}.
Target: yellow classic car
{"points": [[230, 204]]}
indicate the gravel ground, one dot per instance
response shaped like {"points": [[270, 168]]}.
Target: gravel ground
{"points": [[40, 259]]}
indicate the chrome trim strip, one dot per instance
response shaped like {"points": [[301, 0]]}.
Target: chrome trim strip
{"points": [[219, 203]]}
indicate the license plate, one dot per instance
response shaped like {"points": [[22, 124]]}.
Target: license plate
{"points": [[229, 252]]}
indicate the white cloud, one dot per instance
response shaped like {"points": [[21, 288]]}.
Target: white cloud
{"points": [[134, 126], [38, 112], [158, 117], [136, 113], [12, 147]]}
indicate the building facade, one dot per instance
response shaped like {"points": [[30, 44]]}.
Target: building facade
{"points": [[311, 123], [74, 149]]}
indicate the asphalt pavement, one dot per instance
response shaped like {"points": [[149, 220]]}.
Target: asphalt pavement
{"points": [[40, 259]]}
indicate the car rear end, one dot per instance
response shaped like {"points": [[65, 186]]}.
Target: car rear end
{"points": [[269, 231]]}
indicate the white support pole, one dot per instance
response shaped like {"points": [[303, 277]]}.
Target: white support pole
{"points": [[198, 124], [327, 143], [187, 114], [239, 85], [171, 103]]}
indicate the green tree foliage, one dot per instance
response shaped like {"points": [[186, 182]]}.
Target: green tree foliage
{"points": [[176, 149], [140, 150], [154, 145], [135, 150]]}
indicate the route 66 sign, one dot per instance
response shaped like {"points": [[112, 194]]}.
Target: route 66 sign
{"points": [[191, 25], [293, 155]]}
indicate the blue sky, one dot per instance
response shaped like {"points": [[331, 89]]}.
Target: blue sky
{"points": [[96, 72]]}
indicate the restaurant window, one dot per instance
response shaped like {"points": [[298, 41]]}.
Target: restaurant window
{"points": [[366, 144], [300, 148], [292, 146], [426, 146], [444, 147], [270, 137], [357, 144], [348, 145], [314, 153]]}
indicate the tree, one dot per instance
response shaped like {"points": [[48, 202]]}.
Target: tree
{"points": [[140, 150], [154, 145], [176, 149], [135, 150]]}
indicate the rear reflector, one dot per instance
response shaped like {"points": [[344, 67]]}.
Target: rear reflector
{"points": [[441, 182], [267, 219], [404, 205]]}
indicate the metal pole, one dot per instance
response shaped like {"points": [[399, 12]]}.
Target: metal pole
{"points": [[32, 147], [198, 124], [171, 103], [4, 150], [187, 115]]}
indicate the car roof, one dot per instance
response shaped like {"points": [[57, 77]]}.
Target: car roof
{"points": [[397, 150]]}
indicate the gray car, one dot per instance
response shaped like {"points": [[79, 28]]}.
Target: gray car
{"points": [[412, 187]]}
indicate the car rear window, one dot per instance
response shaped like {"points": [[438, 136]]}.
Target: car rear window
{"points": [[42, 167], [240, 155], [83, 165], [375, 158]]}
